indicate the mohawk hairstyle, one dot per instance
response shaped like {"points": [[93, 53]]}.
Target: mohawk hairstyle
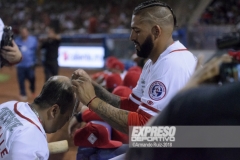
{"points": [[153, 3]]}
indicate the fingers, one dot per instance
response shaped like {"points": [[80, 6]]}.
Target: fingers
{"points": [[79, 80], [211, 69], [78, 73], [14, 43], [7, 55], [71, 125], [69, 131], [11, 48], [199, 62]]}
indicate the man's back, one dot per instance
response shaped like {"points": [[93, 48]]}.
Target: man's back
{"points": [[22, 135]]}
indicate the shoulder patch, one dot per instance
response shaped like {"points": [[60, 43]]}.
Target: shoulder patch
{"points": [[157, 91]]}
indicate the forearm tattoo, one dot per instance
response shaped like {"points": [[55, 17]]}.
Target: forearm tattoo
{"points": [[117, 118], [106, 96]]}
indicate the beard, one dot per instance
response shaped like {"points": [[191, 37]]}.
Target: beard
{"points": [[145, 48]]}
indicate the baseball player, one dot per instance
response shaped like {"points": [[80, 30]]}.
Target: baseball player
{"points": [[168, 69], [200, 103], [23, 126]]}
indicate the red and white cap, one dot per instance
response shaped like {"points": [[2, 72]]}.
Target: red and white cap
{"points": [[131, 78], [117, 65], [94, 135], [135, 68], [113, 80], [122, 91], [109, 60]]}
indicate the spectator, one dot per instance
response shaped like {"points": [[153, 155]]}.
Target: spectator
{"points": [[49, 50], [26, 68]]}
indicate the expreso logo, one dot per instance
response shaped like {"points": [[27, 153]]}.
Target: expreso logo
{"points": [[153, 133]]}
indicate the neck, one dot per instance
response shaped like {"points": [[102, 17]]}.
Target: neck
{"points": [[38, 112], [160, 47]]}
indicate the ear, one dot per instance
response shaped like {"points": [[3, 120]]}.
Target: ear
{"points": [[156, 31], [53, 111]]}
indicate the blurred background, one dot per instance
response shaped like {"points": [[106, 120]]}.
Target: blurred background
{"points": [[106, 24], [93, 30]]}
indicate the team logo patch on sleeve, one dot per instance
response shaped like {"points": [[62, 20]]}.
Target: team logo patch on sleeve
{"points": [[157, 90]]}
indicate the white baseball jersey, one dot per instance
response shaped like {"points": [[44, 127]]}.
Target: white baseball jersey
{"points": [[161, 80], [22, 136]]}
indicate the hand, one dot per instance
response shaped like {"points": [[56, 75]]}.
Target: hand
{"points": [[11, 53], [208, 71], [84, 89], [80, 73], [72, 126]]}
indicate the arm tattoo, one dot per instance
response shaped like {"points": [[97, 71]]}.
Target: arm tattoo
{"points": [[117, 118], [106, 96]]}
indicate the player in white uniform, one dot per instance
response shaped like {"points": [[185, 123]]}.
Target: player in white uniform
{"points": [[168, 69], [23, 126], [160, 81]]}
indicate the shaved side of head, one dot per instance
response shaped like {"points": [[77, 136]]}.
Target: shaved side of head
{"points": [[157, 15]]}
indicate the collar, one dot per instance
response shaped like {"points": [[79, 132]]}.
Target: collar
{"points": [[175, 46]]}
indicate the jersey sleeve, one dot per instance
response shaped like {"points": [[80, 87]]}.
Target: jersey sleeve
{"points": [[29, 144], [171, 77], [128, 104], [89, 115], [136, 119]]}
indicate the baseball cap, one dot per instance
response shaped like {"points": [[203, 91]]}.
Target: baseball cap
{"points": [[122, 91], [131, 78], [113, 80], [135, 68], [99, 75], [94, 135], [109, 60], [116, 64]]}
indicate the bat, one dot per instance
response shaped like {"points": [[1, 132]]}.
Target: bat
{"points": [[58, 147]]}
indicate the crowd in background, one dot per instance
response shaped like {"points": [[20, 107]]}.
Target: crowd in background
{"points": [[73, 16], [76, 17], [221, 12]]}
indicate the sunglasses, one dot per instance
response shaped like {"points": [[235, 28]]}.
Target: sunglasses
{"points": [[148, 4]]}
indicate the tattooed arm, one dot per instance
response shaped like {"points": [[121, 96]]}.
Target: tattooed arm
{"points": [[101, 92], [117, 118], [106, 96]]}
